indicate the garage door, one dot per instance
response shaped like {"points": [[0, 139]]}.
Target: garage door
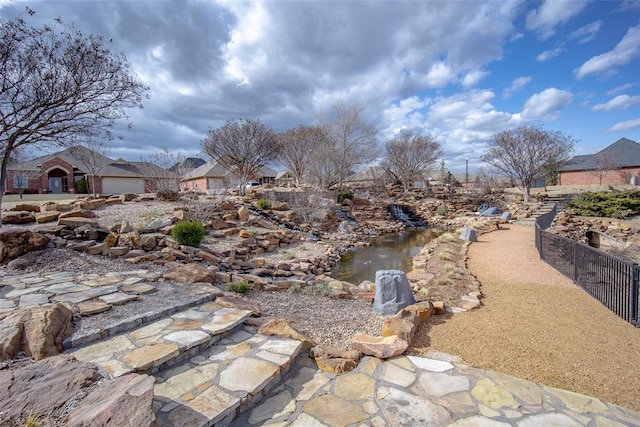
{"points": [[122, 185], [215, 184]]}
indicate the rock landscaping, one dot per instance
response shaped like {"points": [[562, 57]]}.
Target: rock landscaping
{"points": [[205, 355]]}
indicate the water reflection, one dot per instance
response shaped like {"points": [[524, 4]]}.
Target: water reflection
{"points": [[387, 252]]}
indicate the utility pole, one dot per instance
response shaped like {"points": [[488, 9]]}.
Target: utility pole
{"points": [[466, 172]]}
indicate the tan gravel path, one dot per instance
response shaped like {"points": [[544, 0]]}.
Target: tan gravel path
{"points": [[536, 324]]}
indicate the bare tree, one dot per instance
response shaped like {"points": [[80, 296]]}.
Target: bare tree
{"points": [[322, 169], [94, 153], [408, 156], [23, 173], [244, 146], [57, 85], [162, 167], [604, 162], [354, 142], [299, 146], [525, 152]]}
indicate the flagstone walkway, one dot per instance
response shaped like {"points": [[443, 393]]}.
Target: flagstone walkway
{"points": [[212, 368], [413, 391]]}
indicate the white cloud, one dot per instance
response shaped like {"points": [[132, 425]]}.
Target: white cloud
{"points": [[472, 78], [439, 75], [625, 126], [548, 54], [629, 5], [621, 88], [516, 85], [546, 105], [586, 33], [620, 102], [551, 14], [406, 114], [466, 118], [627, 49]]}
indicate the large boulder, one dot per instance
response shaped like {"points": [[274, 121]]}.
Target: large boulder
{"points": [[76, 222], [30, 207], [18, 217], [189, 273], [393, 292], [78, 213], [44, 387], [335, 360], [380, 347], [282, 328], [47, 216], [404, 324], [36, 331], [243, 214], [468, 234], [124, 401], [14, 244]]}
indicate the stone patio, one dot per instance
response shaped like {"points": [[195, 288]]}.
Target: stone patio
{"points": [[212, 368]]}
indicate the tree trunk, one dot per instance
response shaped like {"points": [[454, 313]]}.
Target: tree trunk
{"points": [[3, 173]]}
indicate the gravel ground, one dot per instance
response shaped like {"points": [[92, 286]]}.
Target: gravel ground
{"points": [[326, 321], [536, 324]]}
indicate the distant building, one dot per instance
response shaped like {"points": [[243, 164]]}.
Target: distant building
{"points": [[614, 165], [368, 176], [59, 172], [213, 177], [188, 164]]}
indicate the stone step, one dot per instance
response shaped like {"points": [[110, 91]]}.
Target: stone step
{"points": [[165, 342], [216, 385]]}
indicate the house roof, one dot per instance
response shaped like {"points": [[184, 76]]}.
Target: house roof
{"points": [[370, 173], [213, 169], [189, 163], [283, 175], [266, 172], [74, 155], [624, 152], [77, 155]]}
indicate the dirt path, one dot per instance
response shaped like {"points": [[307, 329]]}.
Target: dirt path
{"points": [[536, 324]]}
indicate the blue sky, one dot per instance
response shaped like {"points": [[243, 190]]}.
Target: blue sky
{"points": [[459, 71]]}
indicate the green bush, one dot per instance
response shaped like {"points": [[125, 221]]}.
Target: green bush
{"points": [[313, 288], [263, 204], [189, 233], [442, 210], [81, 186], [345, 194], [240, 287], [609, 204]]}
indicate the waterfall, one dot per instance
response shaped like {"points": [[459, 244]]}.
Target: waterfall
{"points": [[406, 216]]}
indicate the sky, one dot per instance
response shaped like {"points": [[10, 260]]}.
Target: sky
{"points": [[458, 71]]}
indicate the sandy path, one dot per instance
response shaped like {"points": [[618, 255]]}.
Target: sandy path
{"points": [[536, 324]]}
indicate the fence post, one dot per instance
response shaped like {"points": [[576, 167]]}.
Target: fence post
{"points": [[574, 249], [634, 294]]}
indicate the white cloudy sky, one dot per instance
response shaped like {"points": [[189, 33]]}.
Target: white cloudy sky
{"points": [[460, 71]]}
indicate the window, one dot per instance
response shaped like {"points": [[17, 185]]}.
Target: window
{"points": [[20, 180]]}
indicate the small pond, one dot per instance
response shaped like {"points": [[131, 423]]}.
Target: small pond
{"points": [[386, 252]]}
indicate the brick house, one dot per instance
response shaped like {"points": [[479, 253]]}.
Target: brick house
{"points": [[212, 177], [614, 165], [59, 172]]}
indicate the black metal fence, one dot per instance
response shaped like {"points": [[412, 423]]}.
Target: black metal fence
{"points": [[611, 280]]}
